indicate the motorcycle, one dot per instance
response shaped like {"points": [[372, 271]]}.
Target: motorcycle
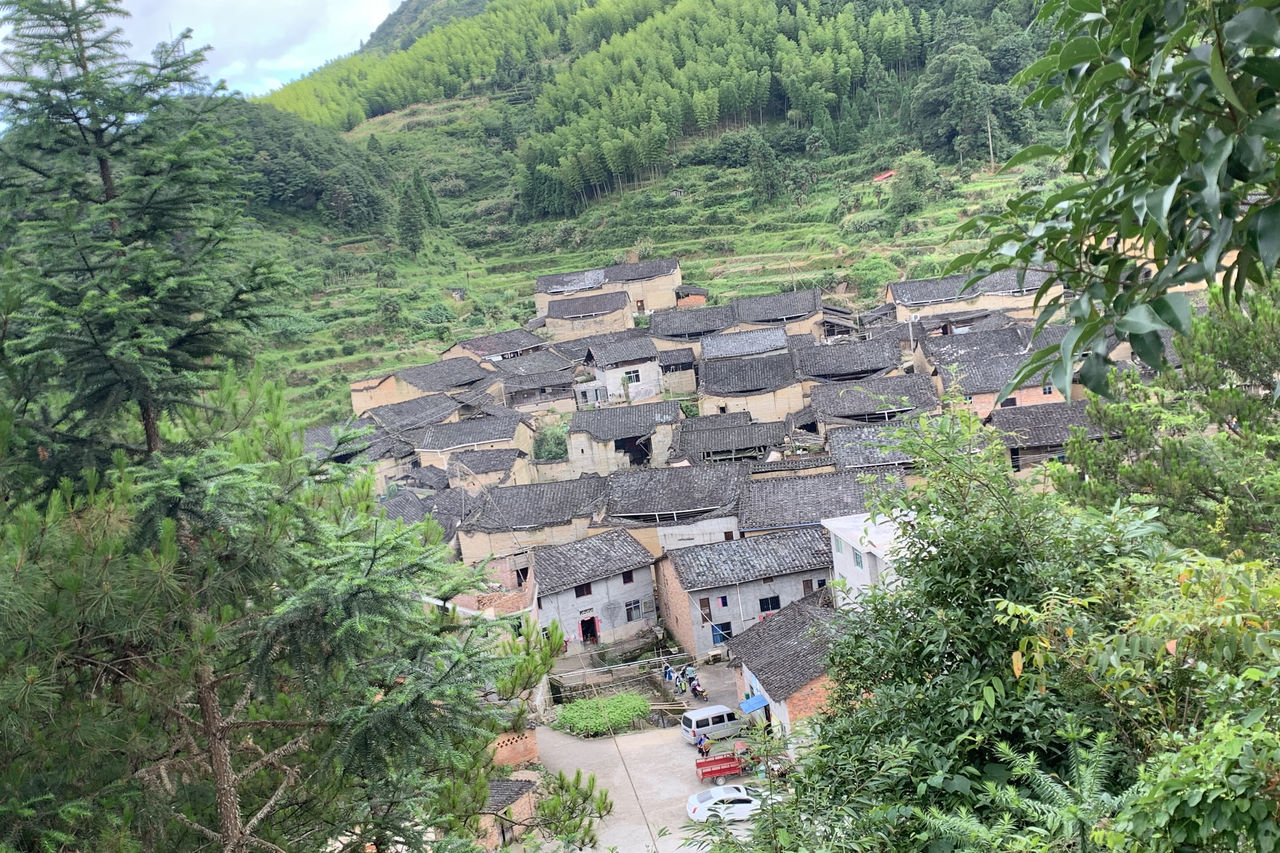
{"points": [[696, 689]]}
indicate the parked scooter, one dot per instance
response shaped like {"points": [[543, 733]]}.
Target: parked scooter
{"points": [[695, 687]]}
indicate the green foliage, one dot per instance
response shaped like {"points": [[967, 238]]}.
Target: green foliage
{"points": [[569, 810], [601, 716], [411, 221], [1182, 194], [551, 442]]}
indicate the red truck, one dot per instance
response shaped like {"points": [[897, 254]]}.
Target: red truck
{"points": [[720, 767]]}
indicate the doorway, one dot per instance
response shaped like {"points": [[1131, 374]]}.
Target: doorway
{"points": [[587, 627]]}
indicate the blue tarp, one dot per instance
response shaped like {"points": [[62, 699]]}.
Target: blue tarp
{"points": [[755, 703]]}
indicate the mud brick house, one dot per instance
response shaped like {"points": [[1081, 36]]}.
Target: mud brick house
{"points": [[537, 383], [602, 441], [626, 371], [880, 399], [843, 362], [508, 812], [785, 503], [731, 443], [506, 523], [474, 470], [709, 594], [422, 481], [780, 664], [435, 444], [599, 589], [498, 346], [679, 370], [649, 285], [588, 315], [681, 328], [447, 376], [389, 456], [1034, 434], [1000, 291], [576, 349], [670, 508], [798, 312], [765, 386]]}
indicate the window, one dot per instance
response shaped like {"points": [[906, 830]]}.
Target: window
{"points": [[633, 610], [717, 720], [822, 582], [724, 410], [839, 545], [639, 306], [857, 559], [767, 579], [1046, 390], [724, 601], [968, 398], [628, 576], [770, 604], [522, 576], [1008, 402], [728, 536], [704, 604], [631, 376], [721, 631], [582, 590]]}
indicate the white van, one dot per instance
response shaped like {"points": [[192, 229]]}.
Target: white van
{"points": [[714, 721]]}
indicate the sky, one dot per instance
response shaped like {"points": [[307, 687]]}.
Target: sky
{"points": [[258, 45]]}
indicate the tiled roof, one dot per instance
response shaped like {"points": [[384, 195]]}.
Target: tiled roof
{"points": [[535, 506], [985, 343], [691, 322], [727, 377], [794, 501], [618, 352], [483, 461], [691, 290], [375, 445], [542, 361], [778, 307], [789, 649], [618, 422], [560, 567], [405, 506], [570, 282], [753, 342], [588, 306], [528, 381], [659, 491], [697, 443], [1043, 425], [847, 359], [886, 313], [670, 357], [864, 447], [576, 349], [426, 477], [503, 793], [467, 432], [501, 343], [985, 375], [716, 421], [447, 375], [402, 418], [947, 289], [742, 560], [868, 396], [793, 463], [447, 507]]}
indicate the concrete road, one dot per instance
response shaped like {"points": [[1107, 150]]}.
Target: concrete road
{"points": [[649, 775]]}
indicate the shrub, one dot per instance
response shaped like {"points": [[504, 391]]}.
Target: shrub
{"points": [[600, 716], [551, 443], [348, 349]]}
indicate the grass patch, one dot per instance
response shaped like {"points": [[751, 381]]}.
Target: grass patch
{"points": [[601, 716]]}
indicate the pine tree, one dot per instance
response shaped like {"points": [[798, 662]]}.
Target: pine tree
{"points": [[430, 204], [411, 222]]}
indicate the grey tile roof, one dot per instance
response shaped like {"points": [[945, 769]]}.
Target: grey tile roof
{"points": [[535, 506], [594, 305], [753, 342], [716, 421], [576, 349], [501, 343], [447, 507], [843, 360], [503, 793], [728, 377], [560, 567], [793, 463], [698, 443], [426, 477], [375, 445], [778, 307], [794, 501], [880, 315], [944, 349], [671, 357], [869, 396], [789, 650], [405, 506], [1043, 425], [864, 447], [483, 461], [947, 289], [402, 418], [526, 382], [658, 491], [686, 323], [542, 361], [618, 422], [742, 560], [691, 290], [447, 375], [619, 352], [985, 375], [570, 282], [467, 432]]}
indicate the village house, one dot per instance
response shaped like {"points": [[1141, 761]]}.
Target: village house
{"points": [[798, 312], [843, 362], [862, 550], [588, 315], [538, 383], [626, 372], [436, 443], [795, 465], [688, 296], [732, 443], [780, 664], [879, 399], [576, 349], [764, 386], [1033, 435], [681, 328], [602, 441], [388, 455], [979, 344], [757, 343], [650, 285], [670, 508], [447, 376], [1000, 291], [422, 481], [980, 381], [786, 503], [475, 470], [708, 594], [840, 323], [508, 812], [855, 448], [679, 371], [498, 346], [599, 589]]}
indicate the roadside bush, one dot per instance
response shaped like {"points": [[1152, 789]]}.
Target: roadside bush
{"points": [[595, 717]]}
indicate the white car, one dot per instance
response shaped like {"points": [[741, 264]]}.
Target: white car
{"points": [[727, 803]]}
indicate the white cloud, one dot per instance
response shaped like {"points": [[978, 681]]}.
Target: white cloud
{"points": [[258, 44]]}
